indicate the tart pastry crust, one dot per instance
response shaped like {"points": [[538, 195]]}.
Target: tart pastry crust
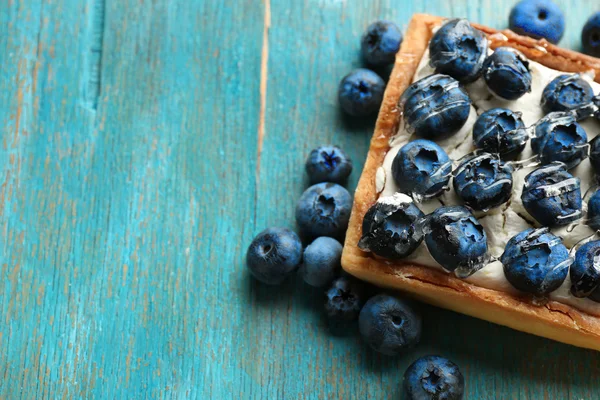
{"points": [[552, 319]]}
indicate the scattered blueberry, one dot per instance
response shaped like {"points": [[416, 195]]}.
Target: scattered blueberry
{"points": [[506, 73], [389, 325], [328, 164], [566, 92], [483, 181], [593, 211], [380, 43], [435, 106], [558, 137], [590, 36], [595, 154], [321, 261], [552, 196], [273, 255], [433, 378], [343, 301], [361, 92], [538, 19], [457, 49], [535, 261], [389, 227], [421, 167], [500, 130], [585, 271], [456, 240], [324, 210]]}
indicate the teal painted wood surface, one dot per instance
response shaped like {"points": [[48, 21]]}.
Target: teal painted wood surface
{"points": [[133, 177]]}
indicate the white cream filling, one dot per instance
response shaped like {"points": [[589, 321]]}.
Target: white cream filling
{"points": [[505, 221]]}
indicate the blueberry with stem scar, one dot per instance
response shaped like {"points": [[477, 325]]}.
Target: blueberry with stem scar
{"points": [[433, 378], [435, 107], [483, 181], [566, 92], [458, 50], [585, 271], [535, 261], [390, 227], [552, 196], [506, 73], [421, 167], [456, 240], [324, 210], [558, 137], [502, 131]]}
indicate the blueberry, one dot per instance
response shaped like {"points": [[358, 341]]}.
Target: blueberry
{"points": [[538, 19], [558, 137], [595, 154], [273, 255], [535, 261], [457, 49], [380, 43], [593, 211], [343, 301], [389, 227], [552, 196], [506, 73], [328, 164], [585, 271], [590, 36], [361, 92], [324, 210], [456, 240], [433, 378], [482, 181], [321, 261], [389, 325], [435, 106], [421, 167], [566, 92], [501, 131]]}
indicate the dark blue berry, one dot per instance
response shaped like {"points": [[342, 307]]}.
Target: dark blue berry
{"points": [[506, 73], [361, 92], [321, 261], [457, 49], [566, 92], [590, 36], [421, 167], [343, 302], [273, 255], [433, 378], [380, 43], [483, 181], [328, 164], [389, 325], [389, 228], [535, 261], [456, 240], [538, 19], [552, 196], [558, 137], [585, 271], [324, 210], [435, 106], [595, 154], [593, 211], [500, 130]]}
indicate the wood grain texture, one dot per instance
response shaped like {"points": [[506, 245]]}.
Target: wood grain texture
{"points": [[130, 188]]}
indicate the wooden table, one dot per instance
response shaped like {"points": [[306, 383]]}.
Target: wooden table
{"points": [[144, 143]]}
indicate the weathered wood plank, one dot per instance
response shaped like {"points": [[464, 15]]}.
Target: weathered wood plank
{"points": [[130, 187]]}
